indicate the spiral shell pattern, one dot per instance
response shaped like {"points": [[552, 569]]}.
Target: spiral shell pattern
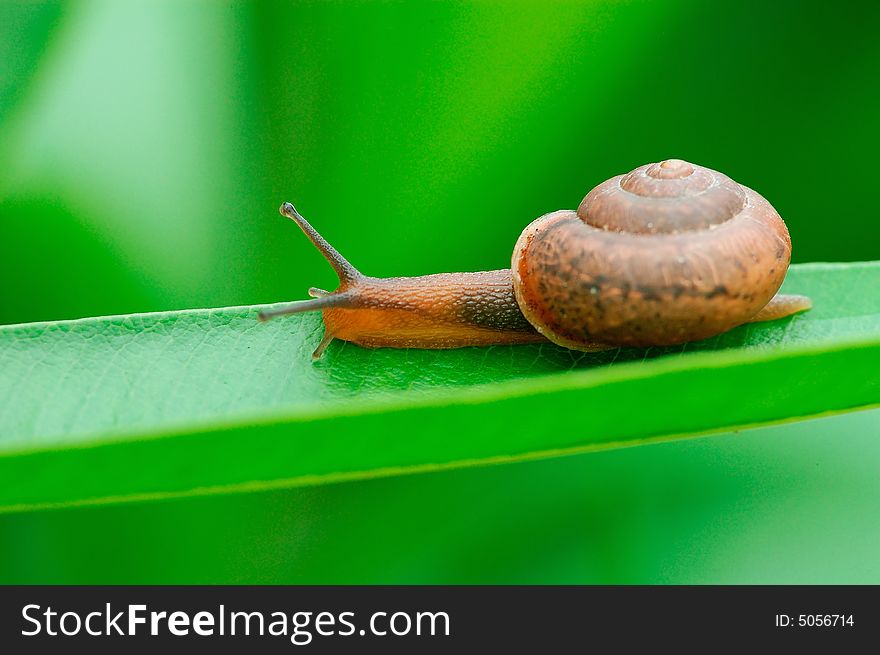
{"points": [[668, 253]]}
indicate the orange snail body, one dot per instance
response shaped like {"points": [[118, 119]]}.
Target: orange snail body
{"points": [[669, 253]]}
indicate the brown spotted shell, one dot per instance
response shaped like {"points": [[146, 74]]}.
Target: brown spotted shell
{"points": [[668, 253]]}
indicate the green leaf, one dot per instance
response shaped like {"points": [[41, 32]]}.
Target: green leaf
{"points": [[200, 401]]}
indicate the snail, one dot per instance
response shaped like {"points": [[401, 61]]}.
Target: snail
{"points": [[669, 253]]}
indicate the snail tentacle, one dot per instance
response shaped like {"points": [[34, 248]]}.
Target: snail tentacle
{"points": [[340, 264], [346, 296]]}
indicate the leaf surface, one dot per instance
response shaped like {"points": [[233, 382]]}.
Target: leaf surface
{"points": [[197, 401]]}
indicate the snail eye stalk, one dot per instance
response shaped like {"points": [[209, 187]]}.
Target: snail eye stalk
{"points": [[348, 275], [345, 271]]}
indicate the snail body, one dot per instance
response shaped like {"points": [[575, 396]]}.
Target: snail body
{"points": [[668, 253]]}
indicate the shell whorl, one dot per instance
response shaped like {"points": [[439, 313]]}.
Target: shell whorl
{"points": [[665, 198], [668, 253]]}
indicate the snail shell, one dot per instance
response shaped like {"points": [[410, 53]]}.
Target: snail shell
{"points": [[668, 253]]}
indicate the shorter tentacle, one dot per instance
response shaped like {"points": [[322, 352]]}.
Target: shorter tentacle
{"points": [[343, 299], [325, 341]]}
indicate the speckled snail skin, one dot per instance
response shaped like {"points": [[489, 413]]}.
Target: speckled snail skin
{"points": [[668, 253]]}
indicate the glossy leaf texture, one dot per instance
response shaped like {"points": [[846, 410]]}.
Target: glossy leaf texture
{"points": [[200, 401]]}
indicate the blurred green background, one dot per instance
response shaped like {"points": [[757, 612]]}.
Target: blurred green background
{"points": [[145, 148]]}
